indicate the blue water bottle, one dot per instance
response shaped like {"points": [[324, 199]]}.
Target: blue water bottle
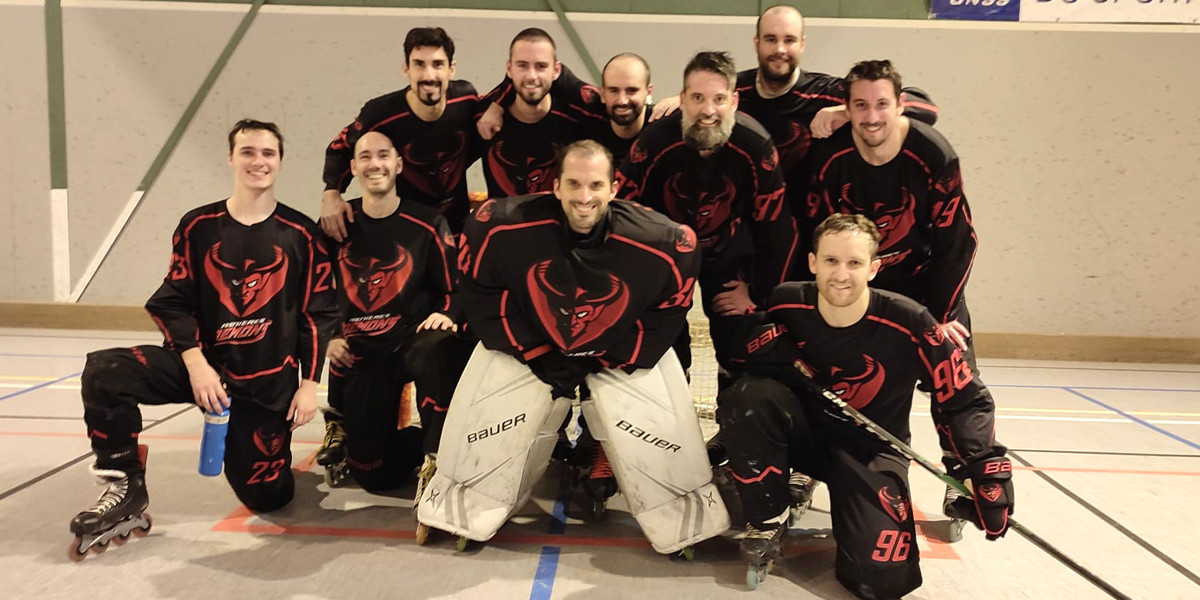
{"points": [[212, 444]]}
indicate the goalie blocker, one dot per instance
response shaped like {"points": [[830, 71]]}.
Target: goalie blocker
{"points": [[502, 426]]}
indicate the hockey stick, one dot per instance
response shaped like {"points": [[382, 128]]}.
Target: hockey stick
{"points": [[911, 454]]}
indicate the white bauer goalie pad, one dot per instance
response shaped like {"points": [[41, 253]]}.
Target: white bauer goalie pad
{"points": [[496, 444], [647, 425]]}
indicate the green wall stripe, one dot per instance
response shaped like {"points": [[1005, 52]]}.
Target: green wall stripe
{"points": [[190, 112], [56, 102], [556, 6]]}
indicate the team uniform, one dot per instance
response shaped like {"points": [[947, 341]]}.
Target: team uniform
{"points": [[733, 200], [393, 272], [259, 301], [521, 158], [618, 145], [611, 303], [787, 117], [773, 424], [436, 154]]}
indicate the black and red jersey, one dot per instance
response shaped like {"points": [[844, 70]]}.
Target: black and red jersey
{"points": [[436, 154], [392, 273], [617, 145], [258, 300], [521, 158], [874, 364], [916, 200], [733, 199], [619, 294]]}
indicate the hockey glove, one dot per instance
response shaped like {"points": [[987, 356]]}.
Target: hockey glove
{"points": [[558, 372], [993, 491]]}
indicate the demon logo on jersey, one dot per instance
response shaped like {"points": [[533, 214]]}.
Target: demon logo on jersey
{"points": [[435, 164], [858, 390], [895, 506], [517, 174], [269, 443], [245, 288], [709, 210], [894, 223], [370, 281], [793, 145], [574, 315]]}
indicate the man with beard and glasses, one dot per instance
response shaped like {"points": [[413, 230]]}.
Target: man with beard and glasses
{"points": [[396, 273], [561, 289], [432, 124], [246, 309], [869, 347], [715, 169], [537, 122], [903, 175]]}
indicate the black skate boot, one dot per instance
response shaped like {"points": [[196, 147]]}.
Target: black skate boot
{"points": [[600, 484], [954, 499], [428, 469], [332, 454], [117, 514], [762, 547], [717, 456], [800, 488]]}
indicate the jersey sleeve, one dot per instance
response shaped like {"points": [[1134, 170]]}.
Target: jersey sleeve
{"points": [[175, 306], [319, 314], [631, 174], [772, 226], [659, 327], [494, 313], [954, 241], [962, 406], [442, 269], [918, 105]]}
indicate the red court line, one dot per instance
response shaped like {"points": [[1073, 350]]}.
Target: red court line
{"points": [[937, 549]]}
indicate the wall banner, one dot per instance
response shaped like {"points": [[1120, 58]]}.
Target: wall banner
{"points": [[1111, 11]]}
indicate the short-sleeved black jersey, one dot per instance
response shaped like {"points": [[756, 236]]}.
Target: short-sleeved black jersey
{"points": [[916, 200], [258, 300], [393, 272], [436, 154], [620, 294], [733, 199], [874, 364]]}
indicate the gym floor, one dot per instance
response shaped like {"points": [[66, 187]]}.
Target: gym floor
{"points": [[1107, 461]]}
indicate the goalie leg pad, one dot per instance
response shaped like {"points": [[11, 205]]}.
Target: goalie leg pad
{"points": [[496, 443], [647, 425]]}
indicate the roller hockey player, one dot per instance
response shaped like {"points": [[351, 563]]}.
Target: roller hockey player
{"points": [[869, 347]]}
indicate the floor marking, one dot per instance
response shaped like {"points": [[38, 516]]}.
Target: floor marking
{"points": [[1129, 416], [39, 386]]}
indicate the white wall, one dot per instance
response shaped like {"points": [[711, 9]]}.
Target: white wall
{"points": [[1080, 145]]}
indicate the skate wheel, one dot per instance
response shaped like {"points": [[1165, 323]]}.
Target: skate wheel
{"points": [[100, 548], [142, 532], [955, 530], [121, 539], [73, 552], [755, 575], [422, 534], [688, 554], [329, 480], [599, 510], [461, 544]]}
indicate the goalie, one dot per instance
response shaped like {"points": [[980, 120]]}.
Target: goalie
{"points": [[562, 288], [869, 347]]}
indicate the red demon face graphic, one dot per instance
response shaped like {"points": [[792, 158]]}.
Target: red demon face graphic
{"points": [[268, 443], [934, 335], [685, 239], [370, 281], [435, 164], [637, 153], [708, 210], [245, 289], [574, 315], [858, 390], [895, 506], [517, 174], [894, 223], [483, 213]]}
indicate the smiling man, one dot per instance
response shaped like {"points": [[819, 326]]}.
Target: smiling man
{"points": [[563, 288], [432, 124], [869, 347]]}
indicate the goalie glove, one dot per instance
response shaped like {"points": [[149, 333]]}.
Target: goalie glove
{"points": [[991, 480]]}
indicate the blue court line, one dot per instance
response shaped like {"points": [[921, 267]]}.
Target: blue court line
{"points": [[1147, 424], [543, 581], [1090, 387], [41, 385]]}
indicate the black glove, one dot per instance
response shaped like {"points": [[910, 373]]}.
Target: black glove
{"points": [[993, 491], [561, 373]]}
